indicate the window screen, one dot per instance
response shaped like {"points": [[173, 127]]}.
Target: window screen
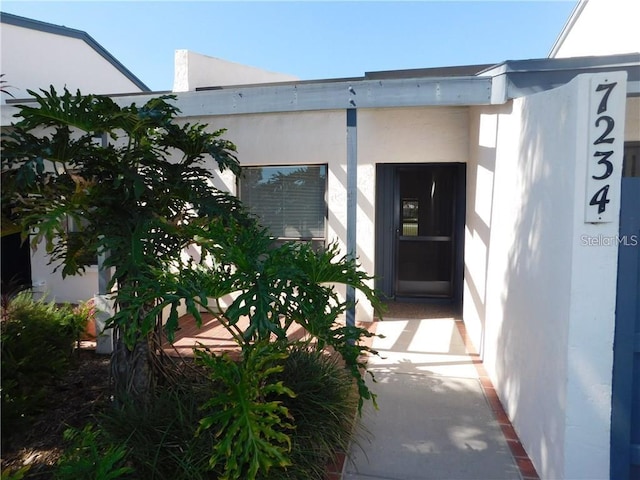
{"points": [[288, 200]]}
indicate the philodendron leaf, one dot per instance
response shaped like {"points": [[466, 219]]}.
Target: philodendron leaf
{"points": [[251, 431]]}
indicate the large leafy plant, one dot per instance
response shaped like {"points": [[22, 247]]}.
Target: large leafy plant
{"points": [[135, 179]]}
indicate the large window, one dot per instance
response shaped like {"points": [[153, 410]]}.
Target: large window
{"points": [[288, 200], [74, 240]]}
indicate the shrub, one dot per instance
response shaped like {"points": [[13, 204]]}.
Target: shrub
{"points": [[161, 435], [199, 430], [323, 409], [36, 349], [89, 457]]}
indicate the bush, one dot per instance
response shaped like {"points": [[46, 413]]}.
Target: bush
{"points": [[89, 457], [323, 410], [37, 341], [185, 427], [161, 436]]}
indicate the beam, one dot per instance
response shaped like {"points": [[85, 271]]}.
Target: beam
{"points": [[329, 95]]}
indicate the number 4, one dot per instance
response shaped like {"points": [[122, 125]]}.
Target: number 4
{"points": [[600, 199]]}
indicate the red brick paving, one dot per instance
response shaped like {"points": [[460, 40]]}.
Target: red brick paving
{"points": [[527, 469]]}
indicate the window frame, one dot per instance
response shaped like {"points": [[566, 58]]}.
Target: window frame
{"points": [[317, 242]]}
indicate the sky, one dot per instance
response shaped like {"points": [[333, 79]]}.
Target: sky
{"points": [[310, 40]]}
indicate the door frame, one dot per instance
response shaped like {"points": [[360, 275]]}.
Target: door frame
{"points": [[387, 217]]}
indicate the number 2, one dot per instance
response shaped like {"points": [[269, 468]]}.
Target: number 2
{"points": [[610, 124]]}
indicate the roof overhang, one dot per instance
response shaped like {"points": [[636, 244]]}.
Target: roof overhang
{"points": [[335, 95], [513, 79], [419, 88]]}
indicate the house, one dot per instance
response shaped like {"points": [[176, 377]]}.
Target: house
{"points": [[498, 188], [35, 55]]}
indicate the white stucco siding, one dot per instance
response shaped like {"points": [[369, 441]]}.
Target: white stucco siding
{"points": [[284, 138], [603, 27], [33, 59], [538, 303], [301, 138], [49, 284], [481, 167], [413, 135], [194, 70], [516, 277], [527, 305]]}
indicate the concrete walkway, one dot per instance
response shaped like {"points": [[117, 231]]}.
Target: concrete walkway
{"points": [[434, 419]]}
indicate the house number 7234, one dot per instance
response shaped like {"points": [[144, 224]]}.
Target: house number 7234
{"points": [[603, 151]]}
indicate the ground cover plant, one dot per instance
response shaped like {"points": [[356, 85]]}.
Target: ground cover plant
{"points": [[143, 197], [36, 350]]}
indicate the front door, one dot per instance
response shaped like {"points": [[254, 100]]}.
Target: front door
{"points": [[419, 227]]}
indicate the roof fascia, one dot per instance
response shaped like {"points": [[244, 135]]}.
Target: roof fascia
{"points": [[29, 23], [513, 79], [331, 95], [575, 14], [310, 96], [496, 85]]}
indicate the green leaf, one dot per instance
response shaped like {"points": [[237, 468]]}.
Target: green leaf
{"points": [[251, 430]]}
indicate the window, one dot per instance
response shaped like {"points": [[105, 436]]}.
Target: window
{"points": [[74, 242], [631, 160], [288, 200]]}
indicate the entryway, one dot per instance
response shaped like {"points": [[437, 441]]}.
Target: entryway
{"points": [[439, 415], [420, 231]]}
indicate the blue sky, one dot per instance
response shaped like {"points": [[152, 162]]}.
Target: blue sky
{"points": [[311, 40]]}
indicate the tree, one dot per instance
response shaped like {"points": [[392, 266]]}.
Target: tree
{"points": [[135, 179]]}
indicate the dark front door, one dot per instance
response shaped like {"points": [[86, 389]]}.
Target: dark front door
{"points": [[419, 224]]}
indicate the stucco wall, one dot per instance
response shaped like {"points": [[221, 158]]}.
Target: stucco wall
{"points": [[51, 285], [34, 59], [539, 304], [390, 135], [193, 70]]}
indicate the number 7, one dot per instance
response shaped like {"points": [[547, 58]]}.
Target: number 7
{"points": [[609, 88]]}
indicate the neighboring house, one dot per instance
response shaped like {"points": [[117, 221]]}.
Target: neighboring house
{"points": [[35, 55], [493, 187], [38, 54], [599, 27]]}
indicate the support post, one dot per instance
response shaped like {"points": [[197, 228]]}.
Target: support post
{"points": [[352, 203]]}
